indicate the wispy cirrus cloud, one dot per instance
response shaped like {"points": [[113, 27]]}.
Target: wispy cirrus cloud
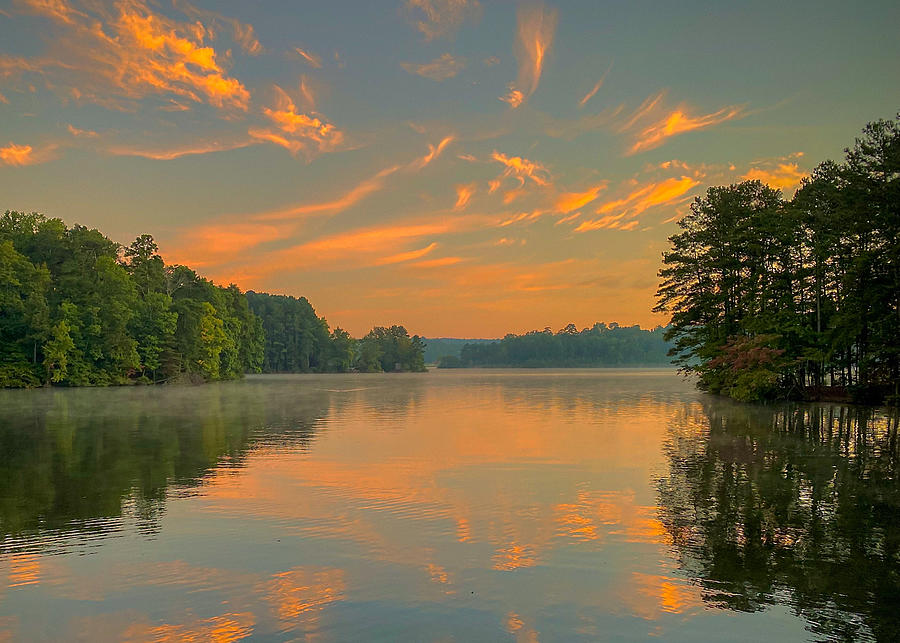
{"points": [[571, 201], [440, 18], [522, 169], [333, 206], [311, 59], [609, 222], [441, 68], [112, 55], [595, 88], [464, 195], [242, 33], [358, 192], [639, 200], [410, 255], [21, 155], [178, 151], [81, 133], [434, 151], [653, 124], [212, 244], [365, 245], [297, 132], [536, 25]]}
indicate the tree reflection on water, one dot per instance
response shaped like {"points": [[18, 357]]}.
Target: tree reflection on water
{"points": [[78, 460], [791, 504]]}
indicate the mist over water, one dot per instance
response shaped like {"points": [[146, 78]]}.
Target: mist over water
{"points": [[454, 505]]}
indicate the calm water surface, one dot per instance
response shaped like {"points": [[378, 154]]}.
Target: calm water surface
{"points": [[467, 506]]}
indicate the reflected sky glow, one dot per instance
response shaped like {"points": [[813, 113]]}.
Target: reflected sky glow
{"points": [[475, 505]]}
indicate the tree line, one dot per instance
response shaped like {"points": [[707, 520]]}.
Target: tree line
{"points": [[78, 309], [299, 341], [599, 345], [775, 298]]}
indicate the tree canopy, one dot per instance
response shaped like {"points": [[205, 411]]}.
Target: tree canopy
{"points": [[599, 345], [793, 298], [78, 309]]}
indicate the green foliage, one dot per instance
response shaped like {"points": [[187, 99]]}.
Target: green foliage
{"points": [[773, 298], [299, 341], [600, 345], [296, 339], [390, 349], [440, 347], [80, 310], [57, 350], [450, 361]]}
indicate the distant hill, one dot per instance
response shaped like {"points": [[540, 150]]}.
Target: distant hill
{"points": [[438, 347]]}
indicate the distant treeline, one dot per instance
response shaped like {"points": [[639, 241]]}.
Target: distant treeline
{"points": [[438, 347], [599, 345], [78, 309], [801, 298]]}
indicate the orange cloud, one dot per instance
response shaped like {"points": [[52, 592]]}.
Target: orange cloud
{"points": [[358, 192], [406, 256], [308, 98], [242, 33], [21, 155], [442, 68], [783, 177], [522, 169], [679, 122], [341, 203], [103, 54], [373, 239], [611, 221], [651, 195], [569, 201], [74, 131], [14, 154], [594, 89], [216, 243], [514, 97], [434, 151], [167, 154], [440, 18], [643, 110], [571, 217], [312, 59], [463, 194], [638, 201], [437, 263], [299, 132], [536, 27]]}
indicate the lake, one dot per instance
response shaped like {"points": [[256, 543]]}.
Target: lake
{"points": [[471, 505]]}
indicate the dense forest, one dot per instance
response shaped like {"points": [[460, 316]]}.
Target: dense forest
{"points": [[774, 298], [299, 341], [77, 309], [600, 345]]}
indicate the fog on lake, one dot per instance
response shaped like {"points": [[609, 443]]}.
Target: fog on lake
{"points": [[531, 505]]}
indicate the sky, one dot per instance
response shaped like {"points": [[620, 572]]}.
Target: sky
{"points": [[463, 168]]}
